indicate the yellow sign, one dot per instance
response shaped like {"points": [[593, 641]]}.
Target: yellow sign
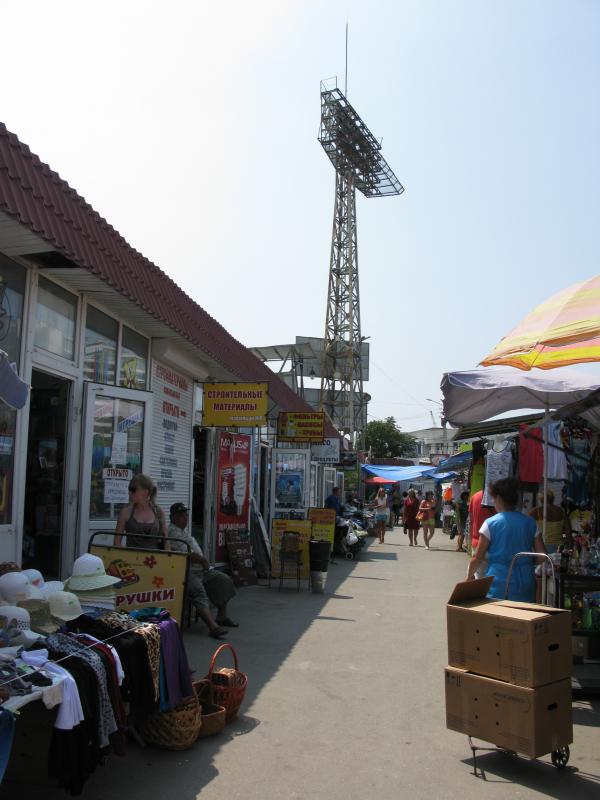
{"points": [[225, 405], [323, 524], [281, 526], [148, 577], [295, 426]]}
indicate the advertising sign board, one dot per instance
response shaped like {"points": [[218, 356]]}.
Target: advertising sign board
{"points": [[233, 488], [227, 405]]}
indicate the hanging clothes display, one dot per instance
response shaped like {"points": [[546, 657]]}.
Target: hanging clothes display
{"points": [[498, 465], [577, 438], [557, 458], [531, 455]]}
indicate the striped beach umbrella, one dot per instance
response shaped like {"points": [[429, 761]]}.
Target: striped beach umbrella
{"points": [[563, 330]]}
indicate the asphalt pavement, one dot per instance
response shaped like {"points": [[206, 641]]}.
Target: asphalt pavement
{"points": [[345, 702]]}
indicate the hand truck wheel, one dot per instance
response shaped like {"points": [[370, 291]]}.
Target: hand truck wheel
{"points": [[560, 757]]}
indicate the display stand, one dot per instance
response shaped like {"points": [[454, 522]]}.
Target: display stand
{"points": [[586, 676]]}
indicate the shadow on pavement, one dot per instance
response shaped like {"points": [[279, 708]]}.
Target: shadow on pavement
{"points": [[565, 784]]}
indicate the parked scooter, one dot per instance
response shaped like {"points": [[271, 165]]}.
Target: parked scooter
{"points": [[349, 538]]}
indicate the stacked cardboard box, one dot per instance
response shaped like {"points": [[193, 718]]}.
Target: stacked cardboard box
{"points": [[508, 679]]}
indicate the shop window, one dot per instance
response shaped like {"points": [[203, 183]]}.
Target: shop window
{"points": [[55, 320], [134, 359], [12, 292], [100, 356], [117, 442]]}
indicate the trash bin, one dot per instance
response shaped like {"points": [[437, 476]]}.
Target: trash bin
{"points": [[318, 552]]}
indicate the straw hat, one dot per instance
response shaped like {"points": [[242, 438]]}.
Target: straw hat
{"points": [[19, 619], [41, 621], [35, 577], [89, 573], [50, 587], [15, 588], [64, 606]]}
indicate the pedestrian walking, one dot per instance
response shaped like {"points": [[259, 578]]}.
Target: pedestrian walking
{"points": [[396, 505], [411, 523], [426, 517], [462, 515], [380, 506]]}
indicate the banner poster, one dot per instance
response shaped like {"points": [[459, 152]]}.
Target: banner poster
{"points": [[280, 526], [147, 577], [307, 426], [230, 405], [233, 488], [323, 524]]}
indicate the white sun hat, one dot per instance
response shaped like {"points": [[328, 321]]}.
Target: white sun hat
{"points": [[16, 588], [19, 619], [35, 577], [64, 606], [89, 573], [52, 586]]}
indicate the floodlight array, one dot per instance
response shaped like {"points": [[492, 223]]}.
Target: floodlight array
{"points": [[352, 148]]}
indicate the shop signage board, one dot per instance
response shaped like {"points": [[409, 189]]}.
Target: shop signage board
{"points": [[147, 577], [308, 426], [228, 405], [323, 524], [116, 484], [233, 487], [326, 453], [172, 420], [302, 527]]}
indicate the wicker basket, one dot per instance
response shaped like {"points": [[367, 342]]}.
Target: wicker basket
{"points": [[228, 685], [213, 716], [176, 729]]}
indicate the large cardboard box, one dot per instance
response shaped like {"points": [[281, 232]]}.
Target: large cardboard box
{"points": [[522, 643], [533, 722]]}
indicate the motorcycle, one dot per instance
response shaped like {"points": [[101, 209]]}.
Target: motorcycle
{"points": [[349, 538]]}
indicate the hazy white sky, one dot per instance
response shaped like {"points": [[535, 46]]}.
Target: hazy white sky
{"points": [[192, 128]]}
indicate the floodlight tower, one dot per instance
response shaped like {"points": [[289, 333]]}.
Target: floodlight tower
{"points": [[356, 157]]}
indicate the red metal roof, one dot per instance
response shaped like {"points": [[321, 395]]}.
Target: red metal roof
{"points": [[41, 201]]}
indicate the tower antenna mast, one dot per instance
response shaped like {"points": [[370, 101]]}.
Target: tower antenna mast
{"points": [[356, 157]]}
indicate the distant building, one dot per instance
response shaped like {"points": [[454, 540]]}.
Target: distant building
{"points": [[434, 443]]}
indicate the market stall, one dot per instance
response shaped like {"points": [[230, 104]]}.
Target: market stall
{"points": [[555, 461]]}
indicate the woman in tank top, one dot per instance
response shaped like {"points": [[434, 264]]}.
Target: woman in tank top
{"points": [[142, 517]]}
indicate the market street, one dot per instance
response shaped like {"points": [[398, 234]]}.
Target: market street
{"points": [[345, 700]]}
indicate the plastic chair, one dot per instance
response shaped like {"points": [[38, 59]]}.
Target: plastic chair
{"points": [[290, 553]]}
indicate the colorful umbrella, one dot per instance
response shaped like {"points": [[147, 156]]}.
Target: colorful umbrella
{"points": [[561, 331]]}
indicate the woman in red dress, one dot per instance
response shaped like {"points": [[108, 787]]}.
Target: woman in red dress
{"points": [[411, 523]]}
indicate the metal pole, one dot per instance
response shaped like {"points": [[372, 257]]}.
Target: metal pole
{"points": [[545, 520]]}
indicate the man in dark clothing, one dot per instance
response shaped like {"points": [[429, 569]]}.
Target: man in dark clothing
{"points": [[333, 501]]}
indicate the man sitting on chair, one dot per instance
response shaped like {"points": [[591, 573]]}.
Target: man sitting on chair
{"points": [[204, 584]]}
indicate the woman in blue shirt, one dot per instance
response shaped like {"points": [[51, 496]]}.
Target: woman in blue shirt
{"points": [[501, 537]]}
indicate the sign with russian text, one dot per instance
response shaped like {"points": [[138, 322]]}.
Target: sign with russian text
{"points": [[280, 526], [326, 453], [226, 405], [233, 488], [172, 421], [300, 426], [147, 577], [323, 524]]}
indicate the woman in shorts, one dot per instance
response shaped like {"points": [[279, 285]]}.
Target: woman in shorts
{"points": [[380, 506]]}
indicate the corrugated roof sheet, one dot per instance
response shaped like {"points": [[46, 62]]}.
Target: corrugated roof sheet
{"points": [[41, 201]]}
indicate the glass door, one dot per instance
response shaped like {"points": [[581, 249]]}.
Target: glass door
{"points": [[116, 446]]}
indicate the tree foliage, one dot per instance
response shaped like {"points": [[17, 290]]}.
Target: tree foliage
{"points": [[386, 440]]}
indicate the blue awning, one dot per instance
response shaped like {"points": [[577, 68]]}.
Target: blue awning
{"points": [[397, 474], [458, 461]]}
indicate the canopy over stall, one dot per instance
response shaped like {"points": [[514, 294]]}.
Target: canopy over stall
{"points": [[476, 395], [398, 474]]}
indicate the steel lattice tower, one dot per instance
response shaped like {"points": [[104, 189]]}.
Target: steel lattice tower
{"points": [[356, 156]]}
